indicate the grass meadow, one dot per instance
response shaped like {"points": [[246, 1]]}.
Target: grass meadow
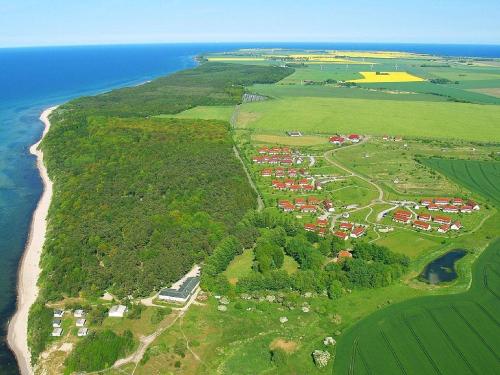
{"points": [[331, 115]]}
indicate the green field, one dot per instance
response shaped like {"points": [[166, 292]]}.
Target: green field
{"points": [[377, 117], [220, 112], [481, 177], [453, 334]]}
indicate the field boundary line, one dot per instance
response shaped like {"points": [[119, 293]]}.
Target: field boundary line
{"points": [[394, 354], [450, 341], [421, 345], [487, 313], [479, 336], [495, 188], [486, 285]]}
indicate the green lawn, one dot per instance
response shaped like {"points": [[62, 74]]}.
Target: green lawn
{"points": [[406, 118], [453, 334], [408, 242]]}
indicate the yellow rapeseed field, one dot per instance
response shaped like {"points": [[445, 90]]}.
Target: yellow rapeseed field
{"points": [[373, 77], [375, 54]]}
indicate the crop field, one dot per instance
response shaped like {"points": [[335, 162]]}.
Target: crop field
{"points": [[377, 77], [452, 334], [481, 177], [375, 117], [494, 91]]}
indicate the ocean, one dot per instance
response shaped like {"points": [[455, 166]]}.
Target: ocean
{"points": [[32, 79]]}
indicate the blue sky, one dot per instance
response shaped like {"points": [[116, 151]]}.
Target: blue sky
{"points": [[56, 22]]}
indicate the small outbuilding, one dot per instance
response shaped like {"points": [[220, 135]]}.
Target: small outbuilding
{"points": [[57, 332], [80, 322], [79, 313], [56, 323], [82, 332], [117, 311], [58, 313]]}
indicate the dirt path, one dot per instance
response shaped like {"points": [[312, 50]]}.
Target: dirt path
{"points": [[146, 341]]}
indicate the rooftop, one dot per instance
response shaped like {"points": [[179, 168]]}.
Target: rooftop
{"points": [[184, 290]]}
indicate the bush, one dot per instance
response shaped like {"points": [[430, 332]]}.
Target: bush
{"points": [[98, 351], [279, 357]]}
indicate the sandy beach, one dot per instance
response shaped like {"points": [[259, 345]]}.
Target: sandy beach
{"points": [[29, 269]]}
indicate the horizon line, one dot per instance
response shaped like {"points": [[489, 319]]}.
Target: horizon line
{"points": [[111, 44]]}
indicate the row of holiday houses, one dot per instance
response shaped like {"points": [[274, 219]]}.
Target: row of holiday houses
{"points": [[423, 221]]}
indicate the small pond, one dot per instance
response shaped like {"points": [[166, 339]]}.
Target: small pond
{"points": [[443, 268]]}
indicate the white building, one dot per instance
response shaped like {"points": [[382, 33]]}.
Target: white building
{"points": [[80, 322], [117, 311], [56, 323], [57, 332], [82, 332], [58, 313], [79, 313]]}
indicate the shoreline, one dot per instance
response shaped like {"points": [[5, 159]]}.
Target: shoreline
{"points": [[29, 266]]}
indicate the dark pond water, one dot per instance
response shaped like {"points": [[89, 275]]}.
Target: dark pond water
{"points": [[443, 268]]}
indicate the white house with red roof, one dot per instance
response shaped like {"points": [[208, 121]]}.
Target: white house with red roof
{"points": [[456, 225], [442, 201], [342, 235], [444, 228], [268, 172], [310, 227], [337, 140], [422, 225], [307, 208], [450, 209], [425, 217], [346, 226], [358, 232], [466, 209], [354, 138], [442, 220]]}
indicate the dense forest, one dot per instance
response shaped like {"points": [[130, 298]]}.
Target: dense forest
{"points": [[138, 199]]}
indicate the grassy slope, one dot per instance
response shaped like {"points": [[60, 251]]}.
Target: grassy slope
{"points": [[325, 115], [438, 334]]}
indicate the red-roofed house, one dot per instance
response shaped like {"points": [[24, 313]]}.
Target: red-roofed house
{"points": [[466, 209], [456, 225], [266, 172], [450, 209], [426, 202], [442, 201], [263, 150], [295, 188], [442, 220], [425, 217], [292, 172], [328, 204], [457, 201], [433, 207], [283, 203], [289, 182], [279, 185], [308, 187], [322, 232], [308, 208], [421, 225], [344, 254], [474, 205], [300, 202], [288, 207], [346, 226], [322, 222], [444, 228], [342, 235], [310, 227], [354, 138], [401, 216], [336, 140], [279, 172], [303, 181], [313, 200], [357, 232]]}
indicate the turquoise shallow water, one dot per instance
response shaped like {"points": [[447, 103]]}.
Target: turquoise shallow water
{"points": [[32, 79]]}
